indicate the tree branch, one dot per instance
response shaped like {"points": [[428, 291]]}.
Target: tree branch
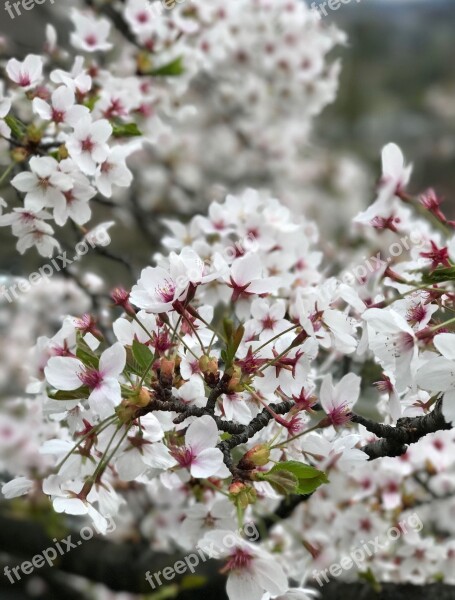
{"points": [[408, 430]]}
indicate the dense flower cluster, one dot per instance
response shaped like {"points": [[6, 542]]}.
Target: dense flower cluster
{"points": [[205, 114], [232, 379]]}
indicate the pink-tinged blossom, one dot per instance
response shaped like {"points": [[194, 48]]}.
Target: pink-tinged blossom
{"points": [[62, 109], [337, 401], [67, 374], [246, 278], [91, 34], [393, 342], [268, 318], [44, 185], [251, 570], [158, 289], [113, 171], [200, 519], [143, 451], [78, 80], [23, 220], [140, 16], [199, 453], [28, 73], [67, 498], [87, 145], [40, 236], [395, 177]]}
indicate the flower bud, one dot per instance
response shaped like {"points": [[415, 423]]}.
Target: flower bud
{"points": [[19, 154], [209, 368], [242, 494], [144, 63], [234, 383], [126, 411], [122, 298], [34, 134], [167, 368], [143, 398], [62, 152], [258, 456]]}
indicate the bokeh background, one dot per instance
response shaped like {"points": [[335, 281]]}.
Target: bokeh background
{"points": [[397, 81], [397, 84]]}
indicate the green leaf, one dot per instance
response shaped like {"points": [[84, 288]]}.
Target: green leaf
{"points": [[439, 275], [172, 69], [283, 482], [307, 478], [165, 593], [125, 130], [18, 129], [91, 102], [86, 354], [233, 339], [82, 392], [142, 355]]}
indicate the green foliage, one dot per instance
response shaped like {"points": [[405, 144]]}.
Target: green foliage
{"points": [[293, 477], [172, 69], [233, 339], [125, 130]]}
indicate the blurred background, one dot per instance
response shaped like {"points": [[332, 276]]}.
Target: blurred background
{"points": [[397, 81], [397, 84]]}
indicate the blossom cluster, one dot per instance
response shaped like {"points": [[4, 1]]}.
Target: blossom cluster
{"points": [[232, 378], [232, 397], [171, 91]]}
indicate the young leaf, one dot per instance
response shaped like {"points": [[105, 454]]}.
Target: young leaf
{"points": [[172, 69], [307, 478], [17, 128], [79, 394], [282, 482], [142, 355], [125, 130], [84, 354]]}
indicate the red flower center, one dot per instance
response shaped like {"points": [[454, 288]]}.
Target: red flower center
{"points": [[92, 378], [239, 561], [87, 145]]}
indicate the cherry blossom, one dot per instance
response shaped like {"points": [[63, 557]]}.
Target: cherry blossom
{"points": [[62, 109], [236, 384], [338, 400], [68, 373], [251, 571], [91, 34], [44, 186], [199, 454], [28, 73], [87, 146]]}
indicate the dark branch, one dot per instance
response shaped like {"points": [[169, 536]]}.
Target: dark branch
{"points": [[408, 430]]}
